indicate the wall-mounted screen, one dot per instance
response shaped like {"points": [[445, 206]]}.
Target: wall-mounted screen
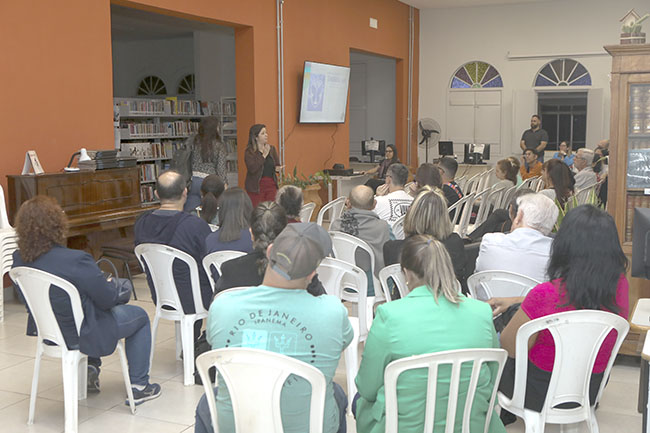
{"points": [[324, 93]]}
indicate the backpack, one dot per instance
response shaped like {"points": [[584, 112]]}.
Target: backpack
{"points": [[182, 160]]}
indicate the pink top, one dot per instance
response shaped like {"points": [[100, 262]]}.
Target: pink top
{"points": [[546, 299]]}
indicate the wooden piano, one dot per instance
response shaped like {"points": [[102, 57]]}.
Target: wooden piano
{"points": [[94, 201]]}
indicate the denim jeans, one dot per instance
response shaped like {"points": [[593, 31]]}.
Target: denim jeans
{"points": [[204, 424], [133, 324]]}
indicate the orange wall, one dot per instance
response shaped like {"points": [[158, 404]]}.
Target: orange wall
{"points": [[58, 74]]}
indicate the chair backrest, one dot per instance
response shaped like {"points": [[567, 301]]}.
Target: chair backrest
{"points": [[466, 214], [306, 211], [35, 286], [344, 247], [582, 195], [578, 336], [255, 379], [485, 179], [337, 275], [507, 196], [394, 273], [456, 207], [398, 227], [527, 183], [472, 184], [4, 221], [216, 259], [432, 362], [488, 203], [497, 284], [335, 207], [158, 260], [461, 182]]}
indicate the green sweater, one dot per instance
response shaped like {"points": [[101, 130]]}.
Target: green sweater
{"points": [[416, 325]]}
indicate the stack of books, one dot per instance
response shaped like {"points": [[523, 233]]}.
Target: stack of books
{"points": [[105, 159]]}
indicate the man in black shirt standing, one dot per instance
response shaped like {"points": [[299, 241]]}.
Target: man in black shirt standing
{"points": [[535, 138]]}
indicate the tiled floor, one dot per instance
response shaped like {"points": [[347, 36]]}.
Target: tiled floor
{"points": [[173, 412]]}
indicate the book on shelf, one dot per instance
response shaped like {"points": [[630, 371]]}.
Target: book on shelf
{"points": [[147, 194], [229, 108], [148, 172], [169, 106]]}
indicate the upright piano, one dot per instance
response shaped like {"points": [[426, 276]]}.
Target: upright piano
{"points": [[94, 201]]}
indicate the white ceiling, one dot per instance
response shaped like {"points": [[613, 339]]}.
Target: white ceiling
{"points": [[128, 24], [436, 4]]}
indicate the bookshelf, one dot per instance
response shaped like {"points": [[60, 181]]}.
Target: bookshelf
{"points": [[629, 180], [152, 129], [228, 132]]}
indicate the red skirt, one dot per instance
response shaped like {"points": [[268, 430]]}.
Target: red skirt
{"points": [[268, 189]]}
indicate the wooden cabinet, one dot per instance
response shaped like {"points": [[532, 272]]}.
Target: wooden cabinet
{"points": [[629, 145]]}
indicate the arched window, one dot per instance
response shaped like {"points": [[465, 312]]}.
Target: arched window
{"points": [[152, 86], [186, 85], [476, 75], [563, 72]]}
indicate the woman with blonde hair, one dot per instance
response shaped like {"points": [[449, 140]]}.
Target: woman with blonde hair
{"points": [[428, 215], [434, 317]]}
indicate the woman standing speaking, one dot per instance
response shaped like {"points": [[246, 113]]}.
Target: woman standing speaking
{"points": [[262, 163]]}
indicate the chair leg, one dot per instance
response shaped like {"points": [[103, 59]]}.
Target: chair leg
{"points": [[125, 374], [154, 329], [70, 367], [128, 275], [534, 422], [351, 368], [570, 428], [37, 368], [187, 339], [179, 340], [82, 372]]}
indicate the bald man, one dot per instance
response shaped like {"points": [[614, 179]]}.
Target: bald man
{"points": [[169, 225], [361, 221]]}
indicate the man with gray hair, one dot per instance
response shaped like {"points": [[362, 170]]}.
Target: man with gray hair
{"points": [[397, 201], [585, 176], [527, 248]]}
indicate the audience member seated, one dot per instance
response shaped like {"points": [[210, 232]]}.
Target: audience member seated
{"points": [[212, 187], [267, 221], [558, 181], [517, 164], [427, 174], [506, 172], [532, 167], [500, 220], [382, 169], [586, 271], [448, 168], [234, 234], [428, 216], [41, 225], [434, 317], [564, 154], [396, 201], [585, 176], [525, 250], [169, 225], [291, 199], [317, 329], [360, 221]]}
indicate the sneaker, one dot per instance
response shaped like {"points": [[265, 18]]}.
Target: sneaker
{"points": [[93, 379], [150, 392]]}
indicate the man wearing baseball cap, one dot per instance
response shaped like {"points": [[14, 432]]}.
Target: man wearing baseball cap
{"points": [[282, 317]]}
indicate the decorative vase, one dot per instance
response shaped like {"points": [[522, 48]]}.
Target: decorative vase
{"points": [[310, 195]]}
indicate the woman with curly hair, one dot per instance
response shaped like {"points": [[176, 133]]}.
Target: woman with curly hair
{"points": [[41, 225]]}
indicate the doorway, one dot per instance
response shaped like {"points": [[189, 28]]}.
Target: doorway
{"points": [[372, 100], [564, 117]]}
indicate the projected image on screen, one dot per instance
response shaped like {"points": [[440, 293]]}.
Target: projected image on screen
{"points": [[324, 93], [316, 92]]}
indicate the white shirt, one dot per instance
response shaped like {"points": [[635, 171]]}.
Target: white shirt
{"points": [[584, 178], [393, 205], [524, 251]]}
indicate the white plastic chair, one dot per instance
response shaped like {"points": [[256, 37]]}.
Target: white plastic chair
{"points": [[488, 203], [337, 275], [485, 180], [398, 227], [393, 272], [578, 336], [432, 362], [306, 211], [465, 215], [216, 259], [35, 286], [4, 220], [456, 207], [527, 183], [582, 195], [255, 379], [498, 284], [344, 247], [335, 208], [8, 244], [472, 184], [507, 196], [158, 259], [461, 181]]}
